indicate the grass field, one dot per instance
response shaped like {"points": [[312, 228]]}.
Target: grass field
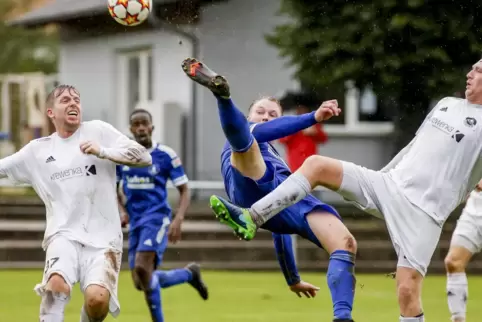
{"points": [[240, 297]]}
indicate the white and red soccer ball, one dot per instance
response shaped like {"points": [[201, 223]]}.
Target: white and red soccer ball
{"points": [[130, 12]]}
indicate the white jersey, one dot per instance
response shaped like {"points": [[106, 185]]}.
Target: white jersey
{"points": [[79, 190], [443, 162]]}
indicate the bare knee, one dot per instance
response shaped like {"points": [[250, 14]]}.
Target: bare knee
{"points": [[96, 302], [408, 289], [143, 272], [57, 284], [350, 244], [457, 259], [320, 170]]}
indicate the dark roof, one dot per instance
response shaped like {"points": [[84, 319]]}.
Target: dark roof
{"points": [[62, 10]]}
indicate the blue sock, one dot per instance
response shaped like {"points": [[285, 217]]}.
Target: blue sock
{"points": [[341, 281], [173, 277], [235, 125], [154, 300]]}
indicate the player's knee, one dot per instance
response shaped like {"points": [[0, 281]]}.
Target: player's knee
{"points": [[57, 284], [454, 263], [96, 301], [350, 243], [407, 293], [407, 289], [318, 169], [143, 275]]}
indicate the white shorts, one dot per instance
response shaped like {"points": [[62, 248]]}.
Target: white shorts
{"points": [[413, 232], [467, 233], [85, 264]]}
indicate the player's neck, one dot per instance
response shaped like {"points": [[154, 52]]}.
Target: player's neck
{"points": [[476, 101], [147, 144], [66, 132]]}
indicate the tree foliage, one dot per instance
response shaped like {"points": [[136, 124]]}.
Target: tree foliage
{"points": [[25, 50], [412, 51]]}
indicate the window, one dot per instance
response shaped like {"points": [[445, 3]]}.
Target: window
{"points": [[362, 111], [135, 77]]}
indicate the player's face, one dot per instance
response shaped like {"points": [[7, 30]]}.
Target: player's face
{"points": [[141, 128], [66, 109], [473, 90], [264, 110]]}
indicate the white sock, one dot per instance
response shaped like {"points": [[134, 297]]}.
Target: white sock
{"points": [[457, 294], [52, 306], [292, 190], [413, 319]]}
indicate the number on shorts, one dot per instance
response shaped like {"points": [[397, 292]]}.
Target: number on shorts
{"points": [[162, 231], [50, 262]]}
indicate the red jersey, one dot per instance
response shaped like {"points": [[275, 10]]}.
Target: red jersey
{"points": [[300, 146]]}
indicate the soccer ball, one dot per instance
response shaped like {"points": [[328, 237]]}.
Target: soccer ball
{"points": [[130, 12]]}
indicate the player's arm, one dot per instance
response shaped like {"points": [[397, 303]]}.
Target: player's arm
{"points": [[288, 125], [283, 245], [118, 148], [282, 127], [15, 167], [180, 181]]}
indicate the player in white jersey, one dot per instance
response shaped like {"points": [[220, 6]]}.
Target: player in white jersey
{"points": [[73, 172], [414, 193], [466, 242]]}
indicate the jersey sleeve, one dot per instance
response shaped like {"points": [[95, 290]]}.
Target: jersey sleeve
{"points": [[286, 258], [120, 149], [15, 167], [176, 170]]}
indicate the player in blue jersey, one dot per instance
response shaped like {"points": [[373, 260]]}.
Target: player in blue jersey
{"points": [[252, 168], [149, 215]]}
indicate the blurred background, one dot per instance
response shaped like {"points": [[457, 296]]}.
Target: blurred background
{"points": [[386, 63]]}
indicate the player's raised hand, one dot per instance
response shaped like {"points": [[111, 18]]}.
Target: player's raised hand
{"points": [[327, 110], [89, 147], [304, 288]]}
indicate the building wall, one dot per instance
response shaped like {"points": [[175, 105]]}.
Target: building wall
{"points": [[91, 64]]}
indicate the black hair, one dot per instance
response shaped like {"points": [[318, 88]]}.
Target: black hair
{"points": [[140, 110]]}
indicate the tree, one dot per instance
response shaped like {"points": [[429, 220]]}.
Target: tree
{"points": [[25, 50], [411, 52]]}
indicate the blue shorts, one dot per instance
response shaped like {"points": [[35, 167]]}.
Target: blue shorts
{"points": [[148, 238], [245, 192]]}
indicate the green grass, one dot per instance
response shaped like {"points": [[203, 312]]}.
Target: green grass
{"points": [[240, 297]]}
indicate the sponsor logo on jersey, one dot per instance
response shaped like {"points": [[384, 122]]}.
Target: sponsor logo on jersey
{"points": [[442, 125], [470, 121], [176, 162], [138, 182], [447, 129], [88, 170]]}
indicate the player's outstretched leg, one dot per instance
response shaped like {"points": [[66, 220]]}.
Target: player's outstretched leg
{"points": [[234, 123], [316, 170]]}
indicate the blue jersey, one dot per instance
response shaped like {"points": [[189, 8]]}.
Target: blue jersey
{"points": [[145, 188]]}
